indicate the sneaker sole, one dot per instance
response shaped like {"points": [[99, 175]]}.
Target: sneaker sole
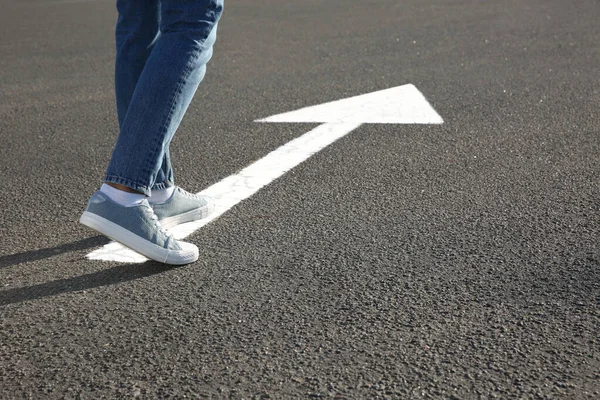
{"points": [[193, 215], [137, 243]]}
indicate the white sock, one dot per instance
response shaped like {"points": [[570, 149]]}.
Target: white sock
{"points": [[162, 195], [122, 197]]}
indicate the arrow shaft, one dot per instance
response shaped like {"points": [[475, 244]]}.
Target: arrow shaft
{"points": [[240, 186], [399, 105]]}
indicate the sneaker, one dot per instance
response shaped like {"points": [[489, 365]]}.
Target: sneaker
{"points": [[182, 207], [137, 228]]}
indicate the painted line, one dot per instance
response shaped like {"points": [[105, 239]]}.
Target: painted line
{"points": [[235, 188], [400, 105]]}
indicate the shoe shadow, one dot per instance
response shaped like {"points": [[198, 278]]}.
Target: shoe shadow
{"points": [[34, 255], [114, 275], [117, 274]]}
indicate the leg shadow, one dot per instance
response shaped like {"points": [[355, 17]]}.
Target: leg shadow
{"points": [[117, 274], [34, 255]]}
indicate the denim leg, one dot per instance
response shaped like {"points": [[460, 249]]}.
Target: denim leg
{"points": [[164, 90], [137, 30]]}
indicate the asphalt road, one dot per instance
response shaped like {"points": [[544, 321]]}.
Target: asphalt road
{"points": [[404, 261]]}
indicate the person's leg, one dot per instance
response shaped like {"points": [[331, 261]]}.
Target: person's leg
{"points": [[173, 205], [163, 92], [164, 89], [138, 28]]}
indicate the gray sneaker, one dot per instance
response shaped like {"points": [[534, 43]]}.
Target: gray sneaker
{"points": [[137, 228], [182, 207]]}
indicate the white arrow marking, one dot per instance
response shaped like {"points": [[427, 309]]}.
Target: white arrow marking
{"points": [[400, 105]]}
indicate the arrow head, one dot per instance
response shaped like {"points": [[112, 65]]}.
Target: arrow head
{"points": [[400, 105]]}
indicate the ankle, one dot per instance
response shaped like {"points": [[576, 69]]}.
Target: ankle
{"points": [[161, 195], [122, 197], [122, 187]]}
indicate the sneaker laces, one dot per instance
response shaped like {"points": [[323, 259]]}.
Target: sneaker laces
{"points": [[150, 212], [194, 196], [186, 193]]}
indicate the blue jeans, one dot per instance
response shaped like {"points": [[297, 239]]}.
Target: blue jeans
{"points": [[163, 47]]}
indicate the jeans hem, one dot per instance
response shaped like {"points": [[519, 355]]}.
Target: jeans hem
{"points": [[162, 185], [125, 182]]}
